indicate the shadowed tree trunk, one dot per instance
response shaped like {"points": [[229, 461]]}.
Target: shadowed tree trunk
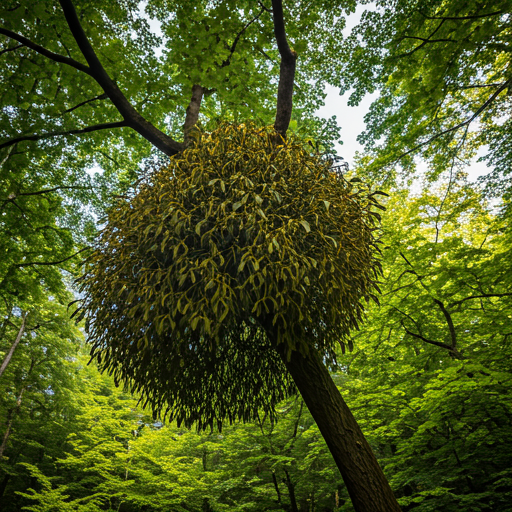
{"points": [[366, 484]]}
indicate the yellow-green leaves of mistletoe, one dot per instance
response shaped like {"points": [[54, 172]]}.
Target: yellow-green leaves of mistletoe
{"points": [[237, 245]]}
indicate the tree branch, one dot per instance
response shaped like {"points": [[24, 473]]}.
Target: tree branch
{"points": [[460, 125], [96, 98], [446, 313], [43, 51], [13, 196], [133, 119], [431, 40], [483, 296], [237, 38], [11, 49], [49, 263], [286, 72], [479, 86], [449, 321], [470, 17], [439, 344], [264, 8], [88, 129], [407, 54]]}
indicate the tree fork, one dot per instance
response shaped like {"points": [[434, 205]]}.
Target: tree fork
{"points": [[366, 484], [132, 118]]}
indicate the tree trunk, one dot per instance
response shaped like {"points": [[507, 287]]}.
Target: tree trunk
{"points": [[291, 492], [13, 412], [9, 355], [3, 486], [365, 481], [10, 419]]}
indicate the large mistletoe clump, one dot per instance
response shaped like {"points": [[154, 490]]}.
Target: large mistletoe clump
{"points": [[238, 247]]}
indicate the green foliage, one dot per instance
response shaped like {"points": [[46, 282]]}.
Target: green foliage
{"points": [[440, 419], [443, 72], [439, 425], [116, 459], [430, 379], [36, 405], [236, 246], [51, 498]]}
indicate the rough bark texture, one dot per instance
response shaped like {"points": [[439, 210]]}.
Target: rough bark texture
{"points": [[193, 108], [286, 72], [367, 486]]}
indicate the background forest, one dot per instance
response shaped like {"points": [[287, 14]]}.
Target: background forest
{"points": [[427, 376]]}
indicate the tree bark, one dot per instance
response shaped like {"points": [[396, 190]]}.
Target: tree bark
{"points": [[9, 355], [366, 484], [286, 72], [193, 109]]}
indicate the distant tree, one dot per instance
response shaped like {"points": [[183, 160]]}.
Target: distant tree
{"points": [[431, 373]]}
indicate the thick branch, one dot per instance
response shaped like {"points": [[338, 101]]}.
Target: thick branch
{"points": [[133, 119], [46, 53], [49, 135], [193, 108], [286, 71]]}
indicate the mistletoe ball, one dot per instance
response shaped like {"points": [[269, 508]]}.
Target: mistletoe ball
{"points": [[238, 247]]}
